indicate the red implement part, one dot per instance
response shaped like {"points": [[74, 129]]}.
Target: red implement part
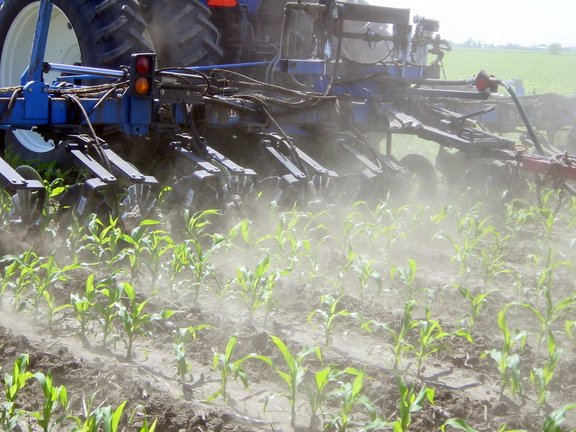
{"points": [[222, 3], [559, 166]]}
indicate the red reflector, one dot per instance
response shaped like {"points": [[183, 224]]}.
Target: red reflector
{"points": [[143, 65], [482, 81], [142, 86], [222, 3]]}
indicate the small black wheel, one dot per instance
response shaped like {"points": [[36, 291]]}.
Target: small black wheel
{"points": [[422, 179], [182, 32], [89, 32]]}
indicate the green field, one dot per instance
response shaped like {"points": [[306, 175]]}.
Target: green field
{"points": [[540, 71]]}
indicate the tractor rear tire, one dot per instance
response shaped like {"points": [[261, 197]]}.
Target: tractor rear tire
{"points": [[182, 32], [101, 33]]}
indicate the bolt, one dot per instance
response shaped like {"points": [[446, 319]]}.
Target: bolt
{"points": [[162, 92]]}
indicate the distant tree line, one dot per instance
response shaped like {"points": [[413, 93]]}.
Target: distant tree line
{"points": [[553, 48]]}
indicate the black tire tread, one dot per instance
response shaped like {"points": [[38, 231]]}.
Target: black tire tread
{"points": [[192, 38]]}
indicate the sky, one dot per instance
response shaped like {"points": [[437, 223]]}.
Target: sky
{"points": [[527, 22]]}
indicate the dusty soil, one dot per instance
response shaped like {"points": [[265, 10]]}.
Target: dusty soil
{"points": [[464, 376]]}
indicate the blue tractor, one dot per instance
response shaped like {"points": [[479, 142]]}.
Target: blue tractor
{"points": [[223, 99]]}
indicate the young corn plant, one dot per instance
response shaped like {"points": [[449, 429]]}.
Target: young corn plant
{"points": [[197, 223], [83, 305], [542, 376], [410, 403], [430, 339], [471, 231], [476, 301], [318, 393], [492, 259], [230, 368], [363, 267], [108, 295], [350, 399], [104, 241], [555, 420], [13, 383], [10, 273], [21, 275], [553, 309], [288, 238], [257, 287], [329, 313], [294, 371], [156, 245], [401, 343], [199, 265], [181, 337], [136, 247], [47, 275], [52, 396], [460, 424], [508, 361], [406, 275], [133, 317]]}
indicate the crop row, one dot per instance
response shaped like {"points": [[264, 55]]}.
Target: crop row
{"points": [[113, 279]]}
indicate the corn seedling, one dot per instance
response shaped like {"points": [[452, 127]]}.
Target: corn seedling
{"points": [[136, 247], [430, 338], [328, 315], [542, 376], [104, 241], [401, 344], [198, 264], [133, 318], [257, 287], [109, 294], [349, 397], [475, 301], [456, 423], [10, 273], [232, 368], [197, 223], [156, 244], [52, 395], [294, 372], [410, 403], [471, 232], [407, 276], [365, 271], [46, 276], [111, 419], [555, 420], [13, 383], [22, 270], [318, 394], [83, 305], [181, 336], [507, 362]]}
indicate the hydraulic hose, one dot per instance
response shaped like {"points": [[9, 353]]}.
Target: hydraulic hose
{"points": [[524, 116]]}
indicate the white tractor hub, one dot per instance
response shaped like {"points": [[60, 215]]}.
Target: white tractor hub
{"points": [[62, 47]]}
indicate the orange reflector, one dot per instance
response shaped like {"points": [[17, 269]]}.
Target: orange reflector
{"points": [[141, 86], [222, 3]]}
